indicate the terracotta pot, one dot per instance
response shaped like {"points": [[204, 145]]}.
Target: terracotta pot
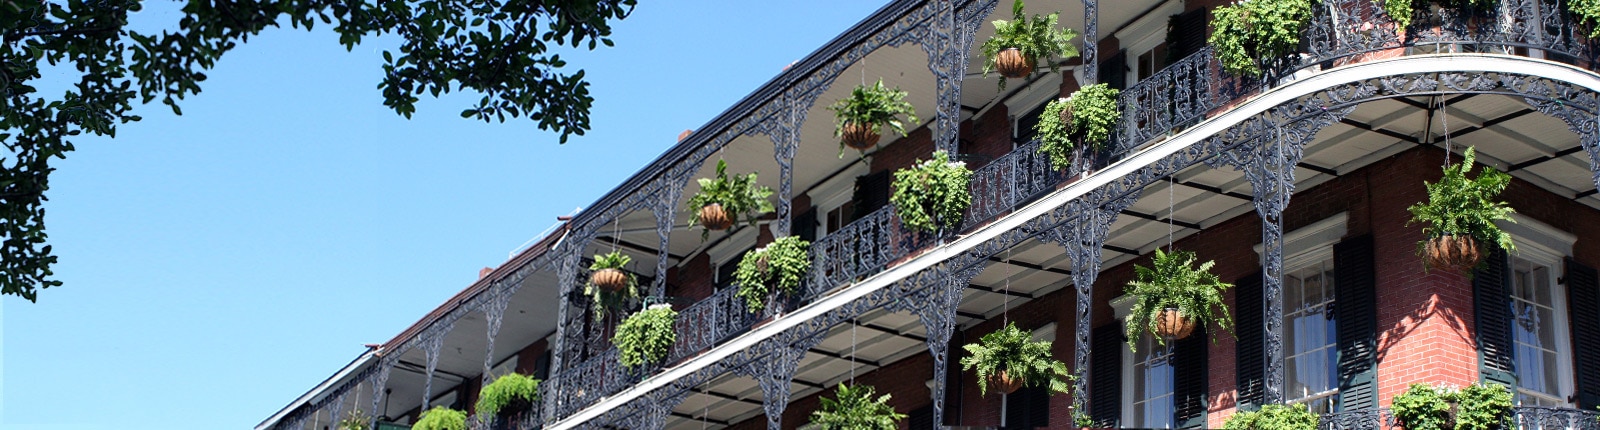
{"points": [[1012, 64], [1066, 115], [858, 136], [1174, 325], [1004, 383], [714, 217], [612, 280], [1453, 252]]}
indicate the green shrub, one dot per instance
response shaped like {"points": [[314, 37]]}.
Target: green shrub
{"points": [[513, 389], [1461, 206], [645, 337], [441, 418], [1423, 407], [1173, 282], [1252, 33], [1014, 351], [855, 409], [1483, 407], [788, 260], [1036, 38], [739, 195], [1274, 417], [1094, 116], [932, 193]]}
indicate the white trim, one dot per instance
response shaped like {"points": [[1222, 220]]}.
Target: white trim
{"points": [[1545, 245], [1148, 32], [1114, 172], [1310, 242], [1531, 234]]}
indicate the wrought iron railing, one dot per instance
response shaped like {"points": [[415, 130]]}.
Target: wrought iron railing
{"points": [[1553, 418], [1185, 93]]}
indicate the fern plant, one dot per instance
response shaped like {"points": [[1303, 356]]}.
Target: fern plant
{"points": [[1173, 282], [510, 393], [875, 106], [645, 337], [1252, 33], [1275, 417], [1037, 39], [932, 193], [605, 300], [1403, 10], [1483, 407], [441, 418], [1013, 351], [1458, 205], [739, 195], [782, 264], [854, 408]]}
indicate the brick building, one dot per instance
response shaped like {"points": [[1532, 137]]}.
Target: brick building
{"points": [[1296, 184]]}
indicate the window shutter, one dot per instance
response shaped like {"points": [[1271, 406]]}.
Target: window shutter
{"points": [[1491, 297], [1355, 309], [1251, 345], [1105, 378], [1583, 303], [1028, 408], [1189, 382], [872, 193], [805, 225], [920, 418], [1186, 34], [1114, 71]]}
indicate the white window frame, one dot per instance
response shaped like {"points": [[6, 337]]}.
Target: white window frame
{"points": [[834, 193], [1544, 244], [1123, 306], [1145, 34]]}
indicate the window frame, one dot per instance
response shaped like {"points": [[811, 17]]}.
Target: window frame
{"points": [[1543, 244]]}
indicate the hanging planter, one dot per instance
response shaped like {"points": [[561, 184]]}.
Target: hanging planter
{"points": [[441, 418], [868, 108], [1009, 358], [932, 194], [1460, 215], [854, 408], [508, 395], [780, 265], [610, 287], [1020, 44], [646, 337], [1173, 297], [723, 199]]}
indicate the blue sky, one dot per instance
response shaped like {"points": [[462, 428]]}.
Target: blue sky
{"points": [[221, 263]]}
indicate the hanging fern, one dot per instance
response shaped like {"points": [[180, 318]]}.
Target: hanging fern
{"points": [[783, 263], [854, 409], [606, 301], [1014, 351], [739, 195], [355, 420], [1461, 206], [441, 418], [1252, 33], [645, 337], [1173, 282], [932, 193], [515, 390], [1037, 39], [877, 106]]}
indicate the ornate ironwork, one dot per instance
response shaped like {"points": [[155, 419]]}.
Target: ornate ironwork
{"points": [[708, 322], [1553, 418], [1361, 419], [861, 248], [1011, 180], [1091, 42]]}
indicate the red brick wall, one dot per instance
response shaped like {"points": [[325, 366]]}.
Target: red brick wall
{"points": [[903, 152]]}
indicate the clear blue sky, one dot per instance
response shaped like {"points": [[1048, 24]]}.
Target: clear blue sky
{"points": [[221, 263]]}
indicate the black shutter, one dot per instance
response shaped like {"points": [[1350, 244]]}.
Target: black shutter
{"points": [[872, 193], [1583, 306], [921, 418], [1114, 70], [1189, 382], [805, 225], [1252, 345], [1105, 377], [1356, 320], [1028, 408], [1186, 34], [1491, 298]]}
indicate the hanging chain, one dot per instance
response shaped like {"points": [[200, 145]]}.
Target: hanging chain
{"points": [[853, 323], [1005, 307], [1445, 119], [1171, 208]]}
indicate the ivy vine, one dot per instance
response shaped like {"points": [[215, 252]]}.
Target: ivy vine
{"points": [[932, 194], [782, 263]]}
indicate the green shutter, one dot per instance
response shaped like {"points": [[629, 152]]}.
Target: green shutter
{"points": [[1189, 382], [1583, 308], [1251, 347], [1105, 378], [1491, 296], [1355, 308]]}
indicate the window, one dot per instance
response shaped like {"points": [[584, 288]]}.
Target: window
{"points": [[1533, 332], [1309, 330], [1152, 385], [1150, 62]]}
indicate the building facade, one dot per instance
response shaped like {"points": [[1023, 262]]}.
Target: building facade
{"points": [[1296, 184]]}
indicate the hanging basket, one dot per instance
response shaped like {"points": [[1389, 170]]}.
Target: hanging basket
{"points": [[1012, 64], [1174, 325], [611, 280], [858, 136], [714, 217], [1004, 383], [1453, 252]]}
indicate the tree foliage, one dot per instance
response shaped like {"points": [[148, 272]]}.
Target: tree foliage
{"points": [[495, 48], [853, 408], [1012, 350], [1173, 282], [1466, 206]]}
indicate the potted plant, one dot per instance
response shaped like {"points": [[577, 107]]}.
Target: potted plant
{"points": [[609, 286], [507, 395], [1019, 44], [1483, 407], [722, 200], [861, 116], [355, 420], [1009, 358], [853, 408], [1173, 296], [1249, 35], [1275, 417], [781, 265], [441, 418], [1460, 215], [1082, 420], [1425, 407], [1089, 114], [645, 337], [932, 193]]}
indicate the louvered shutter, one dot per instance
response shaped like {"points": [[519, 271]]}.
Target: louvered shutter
{"points": [[1583, 309], [804, 226], [1251, 345], [1028, 408], [1491, 297], [1105, 377], [1114, 71], [1356, 312], [921, 418], [871, 194], [1189, 383], [1186, 34]]}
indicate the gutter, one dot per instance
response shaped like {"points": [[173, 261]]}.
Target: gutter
{"points": [[317, 393]]}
